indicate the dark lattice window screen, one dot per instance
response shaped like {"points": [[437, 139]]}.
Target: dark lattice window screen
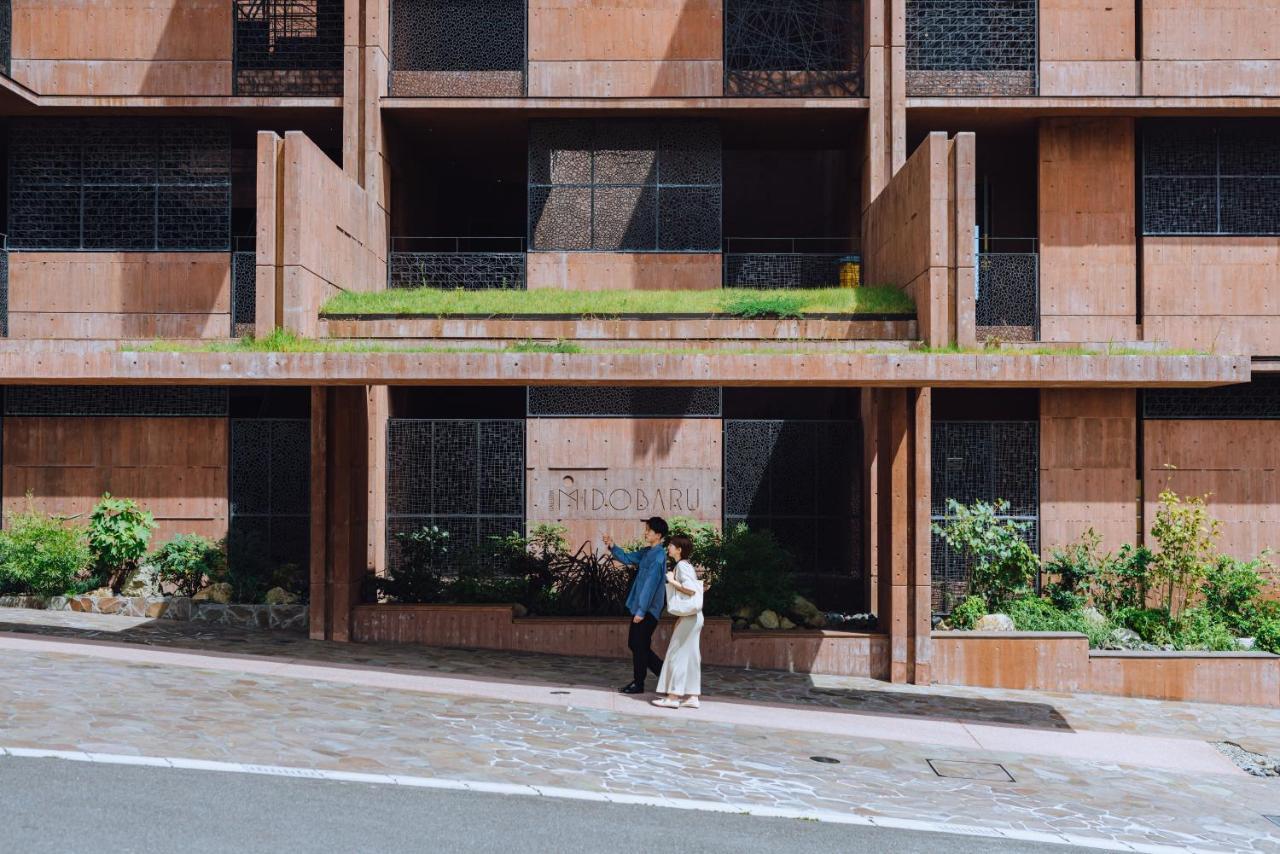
{"points": [[6, 37], [625, 186], [119, 184], [288, 47], [4, 293], [1211, 177], [1259, 399], [244, 291], [472, 271], [458, 47], [153, 400], [981, 461], [465, 476], [1008, 303], [624, 402], [972, 47], [802, 480], [801, 48], [271, 491]]}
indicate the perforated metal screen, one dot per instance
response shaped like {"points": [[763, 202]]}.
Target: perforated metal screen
{"points": [[802, 480], [625, 185], [972, 47], [270, 490], [1259, 399], [1009, 294], [797, 48], [119, 184], [79, 400], [458, 35], [624, 402], [288, 47], [1211, 176], [472, 271], [465, 476], [981, 461]]}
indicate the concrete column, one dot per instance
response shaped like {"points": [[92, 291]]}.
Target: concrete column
{"points": [[902, 530]]}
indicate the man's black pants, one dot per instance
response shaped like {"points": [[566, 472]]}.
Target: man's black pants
{"points": [[642, 655]]}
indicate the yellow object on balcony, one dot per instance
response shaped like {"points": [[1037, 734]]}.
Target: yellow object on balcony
{"points": [[851, 272]]}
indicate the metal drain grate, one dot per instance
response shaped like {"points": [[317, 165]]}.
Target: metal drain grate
{"points": [[991, 772]]}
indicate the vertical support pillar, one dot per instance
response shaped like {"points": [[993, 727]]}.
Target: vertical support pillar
{"points": [[871, 489], [903, 544], [379, 411], [269, 238], [963, 216], [319, 616]]}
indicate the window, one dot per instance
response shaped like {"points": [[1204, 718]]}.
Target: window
{"points": [[793, 48], [972, 47], [119, 184], [1211, 177], [458, 47], [625, 186], [288, 47]]}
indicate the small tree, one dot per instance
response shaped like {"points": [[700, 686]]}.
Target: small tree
{"points": [[1074, 571], [1186, 535], [119, 532], [187, 562], [1003, 565]]}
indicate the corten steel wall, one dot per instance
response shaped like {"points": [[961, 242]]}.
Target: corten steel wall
{"points": [[1087, 47], [1088, 467], [605, 474], [319, 233], [174, 467], [1088, 230], [624, 271], [1218, 47], [1219, 294], [86, 295], [123, 47], [626, 48], [1235, 463]]}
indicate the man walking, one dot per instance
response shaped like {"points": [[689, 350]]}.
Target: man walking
{"points": [[646, 598]]}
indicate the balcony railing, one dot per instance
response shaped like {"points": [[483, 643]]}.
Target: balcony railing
{"points": [[4, 286], [790, 262], [972, 47], [466, 263], [244, 286], [288, 47], [1007, 304], [793, 48]]}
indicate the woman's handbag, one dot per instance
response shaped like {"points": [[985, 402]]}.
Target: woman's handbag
{"points": [[682, 604]]}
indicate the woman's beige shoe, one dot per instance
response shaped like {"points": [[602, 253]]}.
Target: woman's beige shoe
{"points": [[691, 703], [666, 703]]}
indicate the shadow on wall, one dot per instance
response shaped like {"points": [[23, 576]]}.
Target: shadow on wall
{"points": [[696, 36], [193, 49]]}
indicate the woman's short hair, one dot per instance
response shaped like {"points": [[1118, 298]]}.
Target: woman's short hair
{"points": [[683, 544]]}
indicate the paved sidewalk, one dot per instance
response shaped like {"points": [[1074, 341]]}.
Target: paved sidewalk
{"points": [[187, 703]]}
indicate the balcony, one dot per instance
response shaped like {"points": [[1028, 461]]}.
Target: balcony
{"points": [[457, 263], [972, 47], [795, 262], [1007, 306], [288, 47]]}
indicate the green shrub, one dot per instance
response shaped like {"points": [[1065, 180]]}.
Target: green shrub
{"points": [[1185, 533], [187, 563], [753, 571], [119, 532], [1035, 614], [1153, 625], [1124, 580], [424, 558], [967, 613], [249, 568], [1266, 634], [41, 555], [1231, 591], [1073, 571], [707, 541], [1003, 565], [1200, 628]]}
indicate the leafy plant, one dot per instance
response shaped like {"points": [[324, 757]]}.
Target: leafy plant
{"points": [[706, 538], [1199, 628], [586, 583], [1074, 571], [188, 562], [1153, 625], [1036, 614], [1266, 634], [119, 532], [967, 614], [41, 555], [424, 556], [1003, 565], [1231, 591], [752, 571], [1124, 580], [1186, 534]]}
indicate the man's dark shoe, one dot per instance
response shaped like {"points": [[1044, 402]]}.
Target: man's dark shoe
{"points": [[632, 688]]}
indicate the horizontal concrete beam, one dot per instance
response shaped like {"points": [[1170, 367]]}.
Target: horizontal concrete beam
{"points": [[71, 364]]}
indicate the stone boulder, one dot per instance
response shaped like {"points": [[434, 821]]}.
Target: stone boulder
{"points": [[995, 623], [1093, 617], [219, 593], [784, 623], [769, 620], [1124, 639], [280, 596]]}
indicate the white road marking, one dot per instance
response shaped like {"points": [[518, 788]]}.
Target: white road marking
{"points": [[827, 816]]}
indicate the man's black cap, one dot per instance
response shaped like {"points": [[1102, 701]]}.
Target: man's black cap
{"points": [[658, 525]]}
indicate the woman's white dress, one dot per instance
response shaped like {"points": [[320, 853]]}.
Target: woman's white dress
{"points": [[682, 669]]}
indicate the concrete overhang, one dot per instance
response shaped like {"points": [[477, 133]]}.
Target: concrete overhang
{"points": [[77, 363]]}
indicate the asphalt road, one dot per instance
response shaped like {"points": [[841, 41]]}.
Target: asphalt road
{"points": [[53, 805]]}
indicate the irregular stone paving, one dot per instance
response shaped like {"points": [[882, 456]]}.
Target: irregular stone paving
{"points": [[68, 702], [1256, 729]]}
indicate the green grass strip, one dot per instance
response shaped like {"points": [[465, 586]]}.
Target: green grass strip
{"points": [[737, 302]]}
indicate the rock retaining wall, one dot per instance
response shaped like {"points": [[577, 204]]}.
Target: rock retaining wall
{"points": [[282, 617]]}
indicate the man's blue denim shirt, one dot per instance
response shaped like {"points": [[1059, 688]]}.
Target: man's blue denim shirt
{"points": [[648, 592]]}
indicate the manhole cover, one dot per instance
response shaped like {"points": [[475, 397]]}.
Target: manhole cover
{"points": [[992, 772], [1274, 819], [826, 760]]}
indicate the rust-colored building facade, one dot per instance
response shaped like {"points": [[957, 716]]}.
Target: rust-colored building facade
{"points": [[1043, 179]]}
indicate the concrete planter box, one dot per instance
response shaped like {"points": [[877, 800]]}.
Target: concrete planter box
{"points": [[1062, 661], [496, 627], [283, 617]]}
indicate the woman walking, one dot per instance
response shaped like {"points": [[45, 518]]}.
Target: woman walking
{"points": [[682, 671]]}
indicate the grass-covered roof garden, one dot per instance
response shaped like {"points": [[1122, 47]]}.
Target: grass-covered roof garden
{"points": [[728, 302]]}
